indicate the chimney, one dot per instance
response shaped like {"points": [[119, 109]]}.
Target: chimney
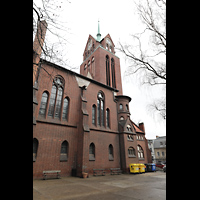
{"points": [[141, 126], [37, 46]]}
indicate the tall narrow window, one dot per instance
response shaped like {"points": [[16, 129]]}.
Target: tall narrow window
{"points": [[56, 97], [58, 102], [100, 109], [110, 150], [43, 104], [35, 148], [140, 152], [64, 151], [107, 70], [113, 73], [94, 114], [98, 112], [107, 118], [65, 108], [102, 112], [93, 67], [92, 152], [52, 101]]}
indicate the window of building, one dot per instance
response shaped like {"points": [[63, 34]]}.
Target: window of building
{"points": [[140, 152], [107, 70], [64, 151], [58, 102], [92, 67], [110, 150], [107, 118], [130, 137], [120, 106], [43, 104], [65, 109], [56, 98], [113, 73], [129, 128], [127, 107], [158, 153], [163, 153], [94, 114], [100, 109], [92, 152], [93, 46], [131, 152], [35, 148], [121, 118]]}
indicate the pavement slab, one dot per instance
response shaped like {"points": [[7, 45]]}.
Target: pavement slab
{"points": [[119, 187]]}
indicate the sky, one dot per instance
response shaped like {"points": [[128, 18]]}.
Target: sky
{"points": [[120, 20]]}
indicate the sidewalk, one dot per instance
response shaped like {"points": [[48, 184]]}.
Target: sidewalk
{"points": [[118, 187]]}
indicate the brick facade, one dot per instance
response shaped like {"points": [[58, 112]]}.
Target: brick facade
{"points": [[82, 128]]}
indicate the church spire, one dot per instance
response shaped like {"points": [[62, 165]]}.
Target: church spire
{"points": [[98, 34]]}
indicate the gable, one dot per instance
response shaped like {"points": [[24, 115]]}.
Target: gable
{"points": [[91, 40], [127, 126], [108, 36]]}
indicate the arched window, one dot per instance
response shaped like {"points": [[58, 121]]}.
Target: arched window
{"points": [[56, 97], [107, 118], [93, 46], [140, 152], [94, 114], [111, 154], [100, 109], [43, 104], [113, 72], [107, 70], [92, 152], [35, 148], [131, 152], [65, 109], [128, 127], [64, 151], [121, 118]]}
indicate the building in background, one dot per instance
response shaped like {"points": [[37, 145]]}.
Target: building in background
{"points": [[160, 149], [151, 148]]}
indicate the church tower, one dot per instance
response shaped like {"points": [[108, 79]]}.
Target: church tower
{"points": [[100, 62]]}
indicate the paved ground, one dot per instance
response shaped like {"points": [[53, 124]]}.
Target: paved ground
{"points": [[145, 186]]}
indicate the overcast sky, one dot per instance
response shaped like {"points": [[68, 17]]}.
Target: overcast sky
{"points": [[119, 19]]}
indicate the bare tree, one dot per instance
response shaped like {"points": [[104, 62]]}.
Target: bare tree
{"points": [[55, 39], [150, 62]]}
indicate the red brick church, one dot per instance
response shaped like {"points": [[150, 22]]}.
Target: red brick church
{"points": [[82, 121]]}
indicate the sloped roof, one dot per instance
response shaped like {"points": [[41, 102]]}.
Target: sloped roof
{"points": [[137, 129]]}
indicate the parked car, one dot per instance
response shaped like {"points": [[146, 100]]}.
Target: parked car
{"points": [[164, 168], [161, 165]]}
